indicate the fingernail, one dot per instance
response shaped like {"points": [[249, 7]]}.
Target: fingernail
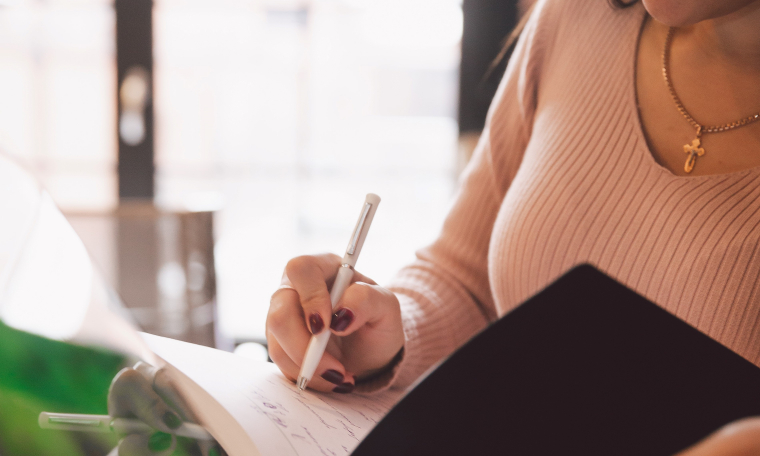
{"points": [[341, 319], [172, 420], [333, 376], [315, 323], [344, 388], [160, 441]]}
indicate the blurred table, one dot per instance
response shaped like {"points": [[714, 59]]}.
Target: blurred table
{"points": [[161, 263]]}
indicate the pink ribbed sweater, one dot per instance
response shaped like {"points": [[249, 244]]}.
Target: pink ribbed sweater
{"points": [[562, 175]]}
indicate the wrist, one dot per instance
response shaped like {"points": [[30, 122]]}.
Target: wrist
{"points": [[373, 375]]}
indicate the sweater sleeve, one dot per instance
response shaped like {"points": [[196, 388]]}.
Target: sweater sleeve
{"points": [[445, 295]]}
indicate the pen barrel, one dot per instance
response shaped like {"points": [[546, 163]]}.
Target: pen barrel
{"points": [[342, 281], [317, 344]]}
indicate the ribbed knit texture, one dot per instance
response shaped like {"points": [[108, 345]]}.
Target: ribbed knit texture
{"points": [[563, 176]]}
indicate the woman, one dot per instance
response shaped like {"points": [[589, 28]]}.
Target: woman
{"points": [[623, 137]]}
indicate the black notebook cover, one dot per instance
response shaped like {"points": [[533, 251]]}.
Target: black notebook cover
{"points": [[585, 367]]}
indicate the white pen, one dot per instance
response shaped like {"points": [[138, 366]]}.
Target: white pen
{"points": [[318, 343], [106, 423]]}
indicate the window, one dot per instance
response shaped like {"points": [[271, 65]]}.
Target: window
{"points": [[57, 70], [288, 113], [282, 114]]}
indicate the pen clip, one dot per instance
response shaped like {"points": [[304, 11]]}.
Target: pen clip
{"points": [[359, 226]]}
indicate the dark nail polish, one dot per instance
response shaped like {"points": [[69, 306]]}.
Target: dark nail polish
{"points": [[172, 420], [160, 441], [344, 388], [315, 323], [333, 376], [341, 319]]}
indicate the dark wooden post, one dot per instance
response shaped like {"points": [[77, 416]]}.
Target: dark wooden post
{"points": [[134, 52]]}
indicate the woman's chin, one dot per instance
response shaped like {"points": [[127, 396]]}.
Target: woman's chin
{"points": [[680, 13], [673, 13]]}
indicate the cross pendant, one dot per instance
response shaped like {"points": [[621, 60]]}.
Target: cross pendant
{"points": [[694, 151]]}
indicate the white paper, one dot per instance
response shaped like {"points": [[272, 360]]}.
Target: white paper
{"points": [[268, 408]]}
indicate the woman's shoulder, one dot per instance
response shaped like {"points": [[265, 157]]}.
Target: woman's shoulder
{"points": [[584, 9], [557, 16], [581, 28]]}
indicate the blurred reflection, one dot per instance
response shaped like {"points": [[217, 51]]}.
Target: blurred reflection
{"points": [[48, 285], [50, 282], [45, 282], [65, 346]]}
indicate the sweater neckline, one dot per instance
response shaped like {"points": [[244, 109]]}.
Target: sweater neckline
{"points": [[639, 126]]}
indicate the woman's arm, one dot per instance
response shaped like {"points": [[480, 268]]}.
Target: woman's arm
{"points": [[445, 295], [443, 298], [740, 438]]}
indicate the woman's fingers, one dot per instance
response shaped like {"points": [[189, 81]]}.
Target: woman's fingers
{"points": [[310, 277], [330, 375], [359, 277], [131, 395], [285, 326], [368, 323], [288, 339], [281, 359], [302, 308], [364, 304]]}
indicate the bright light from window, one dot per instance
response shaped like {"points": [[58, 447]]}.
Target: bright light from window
{"points": [[289, 116], [413, 24], [57, 78]]}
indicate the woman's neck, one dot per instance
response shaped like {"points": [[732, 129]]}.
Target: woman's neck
{"points": [[733, 39]]}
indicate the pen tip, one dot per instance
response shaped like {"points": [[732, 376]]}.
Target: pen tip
{"points": [[302, 381]]}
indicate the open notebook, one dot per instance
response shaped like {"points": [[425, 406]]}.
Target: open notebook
{"points": [[586, 366], [252, 409]]}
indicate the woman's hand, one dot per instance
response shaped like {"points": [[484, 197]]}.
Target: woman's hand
{"points": [[134, 394], [740, 438], [366, 324]]}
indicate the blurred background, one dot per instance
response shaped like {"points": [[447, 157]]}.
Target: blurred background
{"points": [[196, 146]]}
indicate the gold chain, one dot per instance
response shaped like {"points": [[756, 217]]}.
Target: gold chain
{"points": [[694, 150]]}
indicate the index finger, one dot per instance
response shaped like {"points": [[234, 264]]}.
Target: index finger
{"points": [[310, 276]]}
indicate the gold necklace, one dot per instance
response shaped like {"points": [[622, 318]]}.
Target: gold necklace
{"points": [[694, 149]]}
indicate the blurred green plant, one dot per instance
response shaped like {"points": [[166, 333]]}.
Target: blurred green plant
{"points": [[38, 374]]}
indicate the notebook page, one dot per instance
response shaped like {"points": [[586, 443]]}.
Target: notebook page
{"points": [[272, 413]]}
